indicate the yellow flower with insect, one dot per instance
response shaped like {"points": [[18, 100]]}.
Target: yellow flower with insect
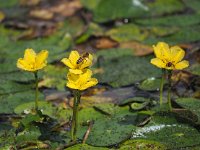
{"points": [[32, 61], [81, 81], [77, 62], [169, 58]]}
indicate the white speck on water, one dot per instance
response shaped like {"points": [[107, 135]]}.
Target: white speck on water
{"points": [[138, 3], [125, 20], [142, 131], [27, 111], [152, 78]]}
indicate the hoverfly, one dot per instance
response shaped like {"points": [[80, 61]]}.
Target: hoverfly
{"points": [[83, 57]]}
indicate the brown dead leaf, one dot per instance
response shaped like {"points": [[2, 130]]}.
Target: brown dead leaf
{"points": [[36, 32], [42, 14], [186, 46], [94, 91], [104, 42], [181, 76], [66, 8], [16, 24], [38, 29], [138, 48]]}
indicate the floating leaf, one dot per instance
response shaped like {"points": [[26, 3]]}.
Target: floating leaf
{"points": [[184, 35], [107, 132], [28, 119], [150, 84], [127, 32], [168, 132], [139, 106], [9, 87], [9, 102], [45, 107], [162, 31], [85, 147], [194, 4], [142, 144], [92, 29], [190, 104], [104, 11], [107, 109], [195, 69], [134, 99], [8, 3], [172, 21], [121, 71], [54, 77], [89, 114]]}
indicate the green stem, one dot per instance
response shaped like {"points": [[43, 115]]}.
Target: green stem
{"points": [[169, 90], [75, 115], [36, 91], [161, 86]]}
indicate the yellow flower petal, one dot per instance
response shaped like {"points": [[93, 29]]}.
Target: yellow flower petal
{"points": [[29, 55], [181, 65], [68, 63], [158, 62], [85, 76], [41, 61], [72, 85], [81, 81], [76, 71], [73, 57], [177, 54], [72, 77], [32, 61], [161, 50], [90, 83], [87, 62], [22, 64]]}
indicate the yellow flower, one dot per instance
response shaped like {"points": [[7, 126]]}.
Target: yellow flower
{"points": [[169, 57], [77, 63], [81, 81], [32, 61]]}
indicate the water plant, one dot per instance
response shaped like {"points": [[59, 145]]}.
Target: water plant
{"points": [[78, 79], [168, 59], [33, 62]]}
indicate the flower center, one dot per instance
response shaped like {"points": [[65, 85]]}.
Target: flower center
{"points": [[169, 64]]}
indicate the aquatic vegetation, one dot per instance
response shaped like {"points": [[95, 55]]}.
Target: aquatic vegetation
{"points": [[78, 79], [58, 105], [33, 62], [168, 59]]}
